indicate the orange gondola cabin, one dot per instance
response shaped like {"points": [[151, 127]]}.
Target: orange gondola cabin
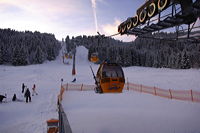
{"points": [[94, 57], [109, 78], [68, 55]]}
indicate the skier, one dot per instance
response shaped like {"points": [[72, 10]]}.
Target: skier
{"points": [[27, 95], [23, 87], [14, 97], [74, 80], [33, 89]]}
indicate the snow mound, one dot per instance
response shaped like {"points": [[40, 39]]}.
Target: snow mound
{"points": [[81, 55]]}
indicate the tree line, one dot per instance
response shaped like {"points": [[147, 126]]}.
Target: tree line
{"points": [[144, 51], [24, 48]]}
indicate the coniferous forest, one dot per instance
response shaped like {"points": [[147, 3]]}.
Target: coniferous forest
{"points": [[24, 48], [148, 52]]}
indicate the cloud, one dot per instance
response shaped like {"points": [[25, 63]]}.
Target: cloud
{"points": [[110, 29], [93, 3], [94, 6], [5, 8], [46, 7], [94, 13], [61, 17], [46, 16]]}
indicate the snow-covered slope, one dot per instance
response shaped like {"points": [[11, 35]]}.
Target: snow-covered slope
{"points": [[82, 56], [129, 112], [31, 117]]}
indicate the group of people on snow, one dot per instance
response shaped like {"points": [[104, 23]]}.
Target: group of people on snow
{"points": [[2, 97], [26, 92]]}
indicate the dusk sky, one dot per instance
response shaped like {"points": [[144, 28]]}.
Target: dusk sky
{"points": [[67, 17]]}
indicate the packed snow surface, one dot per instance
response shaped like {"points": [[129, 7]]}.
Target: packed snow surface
{"points": [[125, 112], [129, 112]]}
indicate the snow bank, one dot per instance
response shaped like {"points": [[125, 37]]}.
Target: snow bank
{"points": [[82, 55], [129, 112], [165, 78]]}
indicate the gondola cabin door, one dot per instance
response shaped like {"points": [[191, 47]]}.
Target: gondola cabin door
{"points": [[111, 78]]}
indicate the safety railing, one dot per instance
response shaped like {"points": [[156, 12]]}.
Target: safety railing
{"points": [[64, 126], [185, 95], [80, 87]]}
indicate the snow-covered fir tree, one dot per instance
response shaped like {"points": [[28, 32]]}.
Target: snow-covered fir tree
{"points": [[143, 51], [39, 55], [1, 56], [20, 56], [20, 48], [185, 61]]}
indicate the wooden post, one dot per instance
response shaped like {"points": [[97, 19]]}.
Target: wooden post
{"points": [[61, 83], [74, 59], [67, 87], [81, 87], [127, 84], [170, 93], [159, 14], [191, 95], [155, 90]]}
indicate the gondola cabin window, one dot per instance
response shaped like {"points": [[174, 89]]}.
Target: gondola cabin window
{"points": [[112, 71], [110, 78]]}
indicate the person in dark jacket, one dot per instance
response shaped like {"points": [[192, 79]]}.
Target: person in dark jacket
{"points": [[27, 95], [23, 87], [2, 97], [74, 80], [14, 97]]}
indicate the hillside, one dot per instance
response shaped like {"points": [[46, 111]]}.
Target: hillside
{"points": [[144, 51], [25, 48]]}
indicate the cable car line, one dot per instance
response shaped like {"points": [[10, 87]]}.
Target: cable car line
{"points": [[187, 13]]}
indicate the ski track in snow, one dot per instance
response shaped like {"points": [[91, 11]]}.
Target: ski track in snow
{"points": [[21, 117]]}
